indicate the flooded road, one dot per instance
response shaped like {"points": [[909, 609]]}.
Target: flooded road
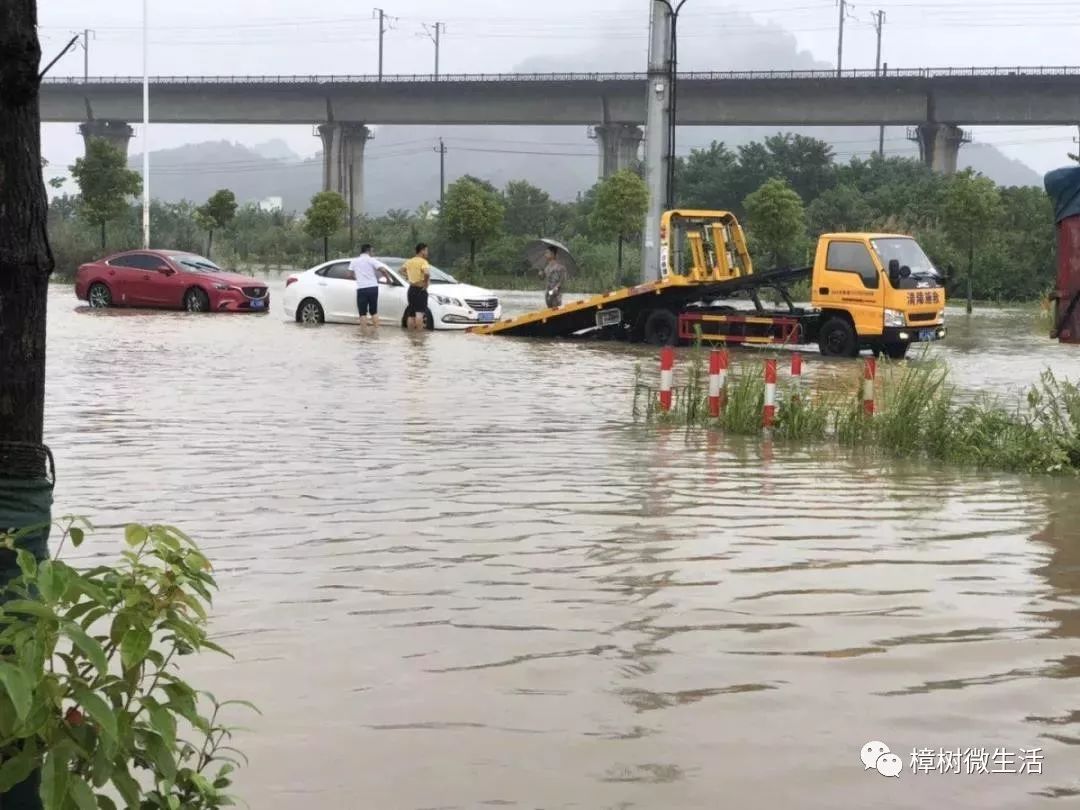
{"points": [[455, 575]]}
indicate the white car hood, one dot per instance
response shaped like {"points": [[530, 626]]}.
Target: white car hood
{"points": [[461, 291]]}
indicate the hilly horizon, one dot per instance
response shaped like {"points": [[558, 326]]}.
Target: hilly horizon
{"points": [[400, 177]]}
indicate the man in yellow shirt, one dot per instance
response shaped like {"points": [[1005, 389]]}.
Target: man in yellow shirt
{"points": [[417, 273]]}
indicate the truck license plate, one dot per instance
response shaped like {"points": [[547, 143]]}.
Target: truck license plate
{"points": [[927, 334]]}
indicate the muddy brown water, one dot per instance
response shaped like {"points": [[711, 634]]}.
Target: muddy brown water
{"points": [[454, 574]]}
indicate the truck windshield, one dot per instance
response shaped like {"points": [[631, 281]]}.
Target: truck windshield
{"points": [[907, 252]]}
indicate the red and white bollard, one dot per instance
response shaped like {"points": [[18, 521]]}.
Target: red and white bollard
{"points": [[869, 373], [796, 374], [718, 363], [770, 393], [667, 377]]}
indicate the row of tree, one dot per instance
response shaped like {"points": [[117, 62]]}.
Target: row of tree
{"points": [[788, 189]]}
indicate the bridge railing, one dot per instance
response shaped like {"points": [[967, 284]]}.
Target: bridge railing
{"points": [[479, 78]]}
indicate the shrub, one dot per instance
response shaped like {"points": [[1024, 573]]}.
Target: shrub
{"points": [[89, 687]]}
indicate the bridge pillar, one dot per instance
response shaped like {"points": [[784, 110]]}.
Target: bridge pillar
{"points": [[343, 160], [939, 145], [618, 144], [117, 133]]}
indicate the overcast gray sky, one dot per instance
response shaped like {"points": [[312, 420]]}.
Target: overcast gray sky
{"points": [[298, 36]]}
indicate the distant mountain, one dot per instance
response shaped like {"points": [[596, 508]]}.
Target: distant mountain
{"points": [[275, 149], [402, 169]]}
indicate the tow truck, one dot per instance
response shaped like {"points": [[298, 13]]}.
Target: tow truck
{"points": [[875, 291]]}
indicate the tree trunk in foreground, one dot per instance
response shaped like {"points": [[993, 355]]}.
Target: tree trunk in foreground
{"points": [[25, 265], [25, 258]]}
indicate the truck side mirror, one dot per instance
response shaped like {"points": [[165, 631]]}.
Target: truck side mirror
{"points": [[894, 271]]}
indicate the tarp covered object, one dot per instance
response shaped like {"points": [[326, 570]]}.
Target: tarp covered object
{"points": [[24, 504], [1063, 186]]}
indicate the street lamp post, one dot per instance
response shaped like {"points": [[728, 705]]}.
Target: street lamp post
{"points": [[146, 133], [674, 69]]}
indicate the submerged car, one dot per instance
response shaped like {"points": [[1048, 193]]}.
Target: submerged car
{"points": [[327, 293], [168, 279]]}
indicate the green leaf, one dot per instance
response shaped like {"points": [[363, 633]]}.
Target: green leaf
{"points": [[98, 709], [77, 536], [119, 627], [127, 787], [89, 646], [27, 563], [135, 535], [48, 583], [163, 722], [161, 755], [54, 777], [29, 608], [247, 704], [15, 769], [18, 688], [134, 646], [101, 768], [81, 793]]}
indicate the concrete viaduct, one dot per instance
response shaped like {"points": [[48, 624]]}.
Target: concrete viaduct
{"points": [[933, 102]]}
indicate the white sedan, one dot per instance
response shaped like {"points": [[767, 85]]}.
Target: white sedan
{"points": [[327, 293]]}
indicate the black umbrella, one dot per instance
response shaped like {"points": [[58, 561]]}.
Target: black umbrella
{"points": [[536, 254]]}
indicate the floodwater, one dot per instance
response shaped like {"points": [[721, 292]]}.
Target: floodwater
{"points": [[455, 575]]}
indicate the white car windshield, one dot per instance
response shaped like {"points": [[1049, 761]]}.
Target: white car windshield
{"points": [[436, 275]]}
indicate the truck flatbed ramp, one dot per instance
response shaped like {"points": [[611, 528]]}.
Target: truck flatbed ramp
{"points": [[630, 304]]}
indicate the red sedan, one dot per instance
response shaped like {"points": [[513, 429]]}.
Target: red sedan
{"points": [[168, 279]]}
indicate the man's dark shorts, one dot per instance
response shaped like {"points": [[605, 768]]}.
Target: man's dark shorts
{"points": [[417, 298], [367, 301]]}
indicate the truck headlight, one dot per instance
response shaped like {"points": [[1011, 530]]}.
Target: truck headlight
{"points": [[894, 317]]}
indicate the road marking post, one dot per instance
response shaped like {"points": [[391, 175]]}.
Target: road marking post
{"points": [[770, 394], [869, 374], [796, 374], [667, 376], [718, 364]]}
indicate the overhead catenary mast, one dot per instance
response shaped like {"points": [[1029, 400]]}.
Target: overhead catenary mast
{"points": [[657, 134]]}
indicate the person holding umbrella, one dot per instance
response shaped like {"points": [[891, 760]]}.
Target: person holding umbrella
{"points": [[554, 273]]}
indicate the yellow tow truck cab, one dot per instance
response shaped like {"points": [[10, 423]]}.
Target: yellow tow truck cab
{"points": [[876, 291], [867, 291]]}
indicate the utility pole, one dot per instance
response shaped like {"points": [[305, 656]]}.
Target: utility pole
{"points": [[352, 217], [441, 151], [86, 53], [879, 21], [433, 33], [380, 15], [840, 42], [657, 134]]}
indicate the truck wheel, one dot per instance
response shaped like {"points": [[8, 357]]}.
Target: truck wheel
{"points": [[661, 328], [896, 351], [838, 339]]}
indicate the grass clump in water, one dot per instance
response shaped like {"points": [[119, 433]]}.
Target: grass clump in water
{"points": [[919, 415]]}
